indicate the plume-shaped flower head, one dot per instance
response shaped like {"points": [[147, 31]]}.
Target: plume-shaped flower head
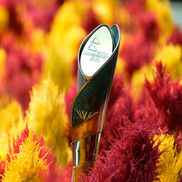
{"points": [[132, 157], [62, 50], [2, 60], [171, 56], [22, 70], [176, 37], [27, 159], [47, 113], [136, 52], [149, 26], [163, 13], [167, 96], [170, 161], [11, 124]]}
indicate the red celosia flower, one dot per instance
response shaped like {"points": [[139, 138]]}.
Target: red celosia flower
{"points": [[44, 153], [21, 138], [120, 105], [132, 157], [135, 6], [69, 97], [2, 169], [66, 176], [55, 173], [123, 106], [120, 101], [14, 23], [167, 96], [22, 71], [60, 2], [136, 53], [148, 112], [54, 170], [35, 12], [116, 90], [90, 20], [179, 140], [38, 12], [75, 67], [109, 129], [149, 26], [176, 37]]}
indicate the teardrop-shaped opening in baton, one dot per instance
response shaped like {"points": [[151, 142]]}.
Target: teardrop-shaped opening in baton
{"points": [[96, 51]]}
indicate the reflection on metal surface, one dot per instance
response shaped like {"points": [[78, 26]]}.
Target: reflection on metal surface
{"points": [[85, 149], [99, 51]]}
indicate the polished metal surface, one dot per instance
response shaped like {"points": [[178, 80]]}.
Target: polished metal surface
{"points": [[96, 51], [84, 153], [85, 149], [100, 48]]}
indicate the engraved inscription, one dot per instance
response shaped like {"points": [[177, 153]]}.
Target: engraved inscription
{"points": [[92, 47], [96, 56], [85, 116]]}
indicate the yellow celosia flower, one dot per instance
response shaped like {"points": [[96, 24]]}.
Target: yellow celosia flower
{"points": [[138, 79], [170, 161], [38, 41], [110, 13], [2, 59], [63, 43], [11, 115], [58, 68], [180, 82], [163, 12], [26, 165], [47, 114], [120, 66], [104, 10], [171, 55], [4, 18], [11, 125]]}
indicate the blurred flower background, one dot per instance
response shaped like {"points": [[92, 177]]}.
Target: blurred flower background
{"points": [[142, 133]]}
